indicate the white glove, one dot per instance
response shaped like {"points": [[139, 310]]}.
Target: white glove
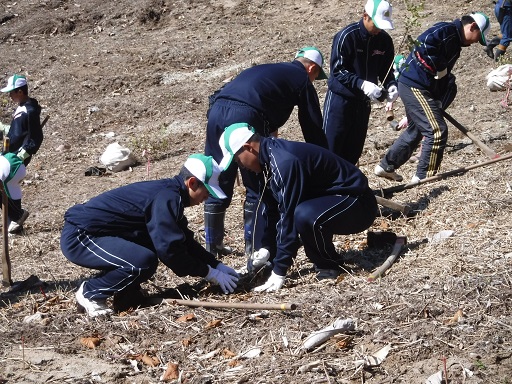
{"points": [[273, 283], [224, 268], [441, 74], [403, 123], [258, 259], [392, 93], [373, 91], [226, 282]]}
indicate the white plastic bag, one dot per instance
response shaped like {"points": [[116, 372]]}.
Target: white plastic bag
{"points": [[498, 79], [114, 154]]}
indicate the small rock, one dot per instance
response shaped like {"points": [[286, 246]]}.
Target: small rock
{"points": [[63, 148]]}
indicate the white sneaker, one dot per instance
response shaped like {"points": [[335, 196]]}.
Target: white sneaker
{"points": [[16, 226], [415, 180], [379, 171], [92, 307]]}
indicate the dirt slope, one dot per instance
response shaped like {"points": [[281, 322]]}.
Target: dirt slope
{"points": [[140, 73]]}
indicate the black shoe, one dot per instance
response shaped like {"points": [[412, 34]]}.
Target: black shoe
{"points": [[129, 299]]}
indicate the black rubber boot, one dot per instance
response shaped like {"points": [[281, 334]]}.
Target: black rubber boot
{"points": [[249, 213], [214, 215]]}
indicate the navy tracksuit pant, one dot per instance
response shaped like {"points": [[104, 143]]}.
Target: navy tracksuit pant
{"points": [[317, 220], [125, 264], [345, 125], [425, 119]]}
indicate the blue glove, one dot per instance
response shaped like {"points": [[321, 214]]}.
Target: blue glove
{"points": [[226, 282], [224, 268]]}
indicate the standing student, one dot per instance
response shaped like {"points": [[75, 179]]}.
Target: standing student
{"points": [[427, 87], [25, 137], [264, 96], [503, 12], [362, 56]]}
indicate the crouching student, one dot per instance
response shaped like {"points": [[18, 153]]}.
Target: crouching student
{"points": [[125, 232], [317, 193]]}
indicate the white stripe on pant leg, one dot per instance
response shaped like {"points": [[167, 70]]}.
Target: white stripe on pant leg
{"points": [[137, 274], [329, 218]]}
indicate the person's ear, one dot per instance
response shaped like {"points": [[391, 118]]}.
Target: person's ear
{"points": [[192, 183]]}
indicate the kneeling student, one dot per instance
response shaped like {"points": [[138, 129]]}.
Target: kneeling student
{"points": [[125, 232], [317, 193]]}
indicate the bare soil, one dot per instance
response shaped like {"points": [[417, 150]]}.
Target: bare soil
{"points": [[140, 73]]}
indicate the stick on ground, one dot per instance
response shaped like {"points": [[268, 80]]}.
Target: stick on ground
{"points": [[397, 248], [439, 176], [207, 304], [485, 149]]}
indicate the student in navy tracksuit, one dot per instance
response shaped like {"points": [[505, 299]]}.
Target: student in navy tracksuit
{"points": [[264, 96], [427, 87], [25, 137], [318, 194], [503, 13], [362, 55], [125, 232]]}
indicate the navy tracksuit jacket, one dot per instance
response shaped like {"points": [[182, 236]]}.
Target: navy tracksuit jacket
{"points": [[318, 194], [356, 56], [264, 97], [25, 131], [127, 230]]}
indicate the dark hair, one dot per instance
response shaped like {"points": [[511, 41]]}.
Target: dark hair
{"points": [[467, 20], [23, 88], [186, 174]]}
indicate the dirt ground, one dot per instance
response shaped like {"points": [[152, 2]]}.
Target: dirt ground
{"points": [[140, 73]]}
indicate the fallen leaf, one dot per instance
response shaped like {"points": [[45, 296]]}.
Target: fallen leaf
{"points": [[344, 342], [456, 318], [214, 323], [186, 342], [151, 361], [171, 373], [233, 363], [384, 225], [90, 342], [185, 318], [227, 353]]}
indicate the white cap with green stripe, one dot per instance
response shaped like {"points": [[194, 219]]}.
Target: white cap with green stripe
{"points": [[380, 12], [15, 81], [483, 24], [232, 139], [207, 171]]}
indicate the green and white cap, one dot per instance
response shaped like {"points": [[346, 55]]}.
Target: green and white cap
{"points": [[232, 139], [483, 24], [15, 81], [380, 12], [313, 54], [207, 171]]}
